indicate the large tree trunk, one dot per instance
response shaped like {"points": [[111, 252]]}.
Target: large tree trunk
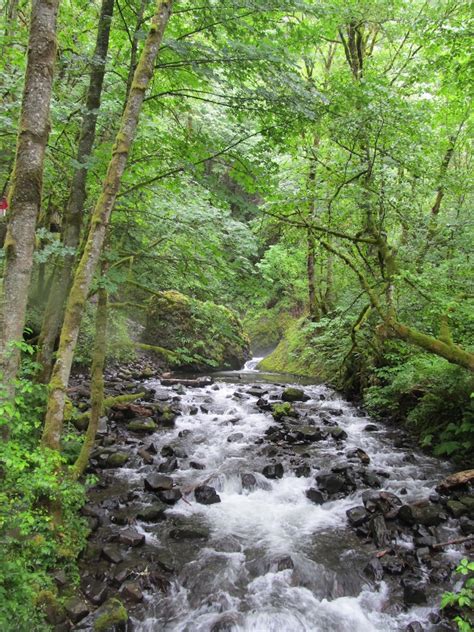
{"points": [[62, 276], [27, 181], [99, 221], [97, 384], [314, 312]]}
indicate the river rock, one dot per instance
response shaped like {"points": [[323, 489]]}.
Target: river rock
{"points": [[170, 496], [384, 502], [414, 626], [308, 434], [153, 512], [456, 508], [112, 553], [331, 483], [168, 466], [110, 617], [273, 471], [130, 537], [374, 569], [264, 404], [248, 481], [302, 471], [206, 495], [96, 591], [378, 531], [315, 496], [358, 453], [76, 609], [357, 516], [393, 564], [196, 466], [337, 433], [146, 456], [370, 428], [131, 592], [116, 459], [157, 482], [425, 514], [190, 533], [147, 426], [292, 394], [414, 593]]}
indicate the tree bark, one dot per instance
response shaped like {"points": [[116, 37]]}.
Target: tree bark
{"points": [[97, 384], [100, 218], [314, 312], [27, 182], [62, 275]]}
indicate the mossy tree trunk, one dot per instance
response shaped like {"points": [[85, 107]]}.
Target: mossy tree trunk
{"points": [[27, 182], [62, 275], [97, 384], [100, 218]]}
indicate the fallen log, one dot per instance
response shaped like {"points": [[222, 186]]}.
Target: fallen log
{"points": [[456, 480], [198, 382], [441, 545]]}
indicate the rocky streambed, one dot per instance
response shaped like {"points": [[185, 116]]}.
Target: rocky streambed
{"points": [[245, 504]]}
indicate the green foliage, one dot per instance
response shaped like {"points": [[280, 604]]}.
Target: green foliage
{"points": [[460, 603], [34, 538], [282, 410]]}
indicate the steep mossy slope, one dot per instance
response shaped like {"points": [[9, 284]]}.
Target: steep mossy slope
{"points": [[202, 335]]}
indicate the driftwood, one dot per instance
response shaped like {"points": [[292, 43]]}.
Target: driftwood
{"points": [[456, 480], [200, 381], [441, 545]]}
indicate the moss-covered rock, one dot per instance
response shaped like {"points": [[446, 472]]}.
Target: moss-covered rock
{"points": [[292, 394], [117, 459], [142, 425], [111, 617], [202, 335]]}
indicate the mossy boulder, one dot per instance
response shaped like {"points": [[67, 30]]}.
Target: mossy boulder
{"points": [[142, 425], [111, 617], [202, 335]]}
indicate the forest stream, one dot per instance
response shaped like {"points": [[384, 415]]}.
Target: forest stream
{"points": [[230, 520]]}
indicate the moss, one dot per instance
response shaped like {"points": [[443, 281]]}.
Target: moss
{"points": [[114, 613], [141, 425], [283, 410], [200, 335]]}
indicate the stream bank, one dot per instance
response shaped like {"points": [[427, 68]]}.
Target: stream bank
{"points": [[253, 502]]}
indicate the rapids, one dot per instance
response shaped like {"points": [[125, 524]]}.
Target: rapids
{"points": [[269, 559]]}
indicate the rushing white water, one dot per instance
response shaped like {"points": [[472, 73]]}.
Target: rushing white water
{"points": [[274, 561]]}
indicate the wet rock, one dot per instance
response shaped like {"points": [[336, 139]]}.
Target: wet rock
{"points": [[291, 394], [302, 471], [358, 453], [153, 513], [357, 516], [414, 626], [168, 466], [167, 451], [384, 502], [122, 516], [315, 496], [146, 456], [196, 466], [273, 471], [158, 482], [308, 434], [264, 404], [76, 609], [142, 426], [256, 391], [393, 565], [370, 479], [414, 593], [331, 483], [131, 592], [235, 437], [456, 481], [337, 433], [285, 563], [193, 410], [112, 553], [169, 496], [371, 428], [248, 481], [96, 591], [206, 495], [189, 533], [378, 531], [425, 514], [456, 508], [335, 412], [116, 459], [467, 525], [374, 569], [130, 537]]}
